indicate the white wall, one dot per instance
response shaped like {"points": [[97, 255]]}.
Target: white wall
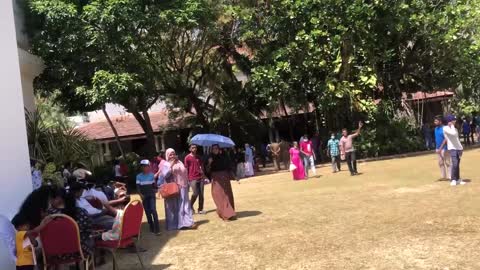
{"points": [[15, 178]]}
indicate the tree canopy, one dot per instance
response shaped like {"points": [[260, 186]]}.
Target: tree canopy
{"points": [[341, 56]]}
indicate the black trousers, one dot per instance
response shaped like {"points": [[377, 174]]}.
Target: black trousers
{"points": [[197, 187], [351, 161], [26, 267]]}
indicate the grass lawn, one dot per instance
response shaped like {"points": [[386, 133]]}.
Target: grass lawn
{"points": [[395, 215]]}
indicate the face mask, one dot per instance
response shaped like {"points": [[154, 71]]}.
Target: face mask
{"points": [[305, 140], [333, 137]]}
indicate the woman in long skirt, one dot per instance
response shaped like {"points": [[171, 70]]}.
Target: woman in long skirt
{"points": [[248, 161], [221, 173], [296, 160], [178, 213]]}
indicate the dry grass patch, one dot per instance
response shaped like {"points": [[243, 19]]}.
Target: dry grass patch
{"points": [[396, 215]]}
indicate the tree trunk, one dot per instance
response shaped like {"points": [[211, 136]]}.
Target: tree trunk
{"points": [[117, 138], [317, 117], [144, 121], [199, 113], [290, 125]]}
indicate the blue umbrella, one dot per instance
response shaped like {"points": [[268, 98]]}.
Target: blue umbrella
{"points": [[211, 139]]}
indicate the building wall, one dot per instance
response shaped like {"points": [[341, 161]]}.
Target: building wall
{"points": [[14, 162]]}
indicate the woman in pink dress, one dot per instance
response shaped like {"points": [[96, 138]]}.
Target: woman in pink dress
{"points": [[296, 159]]}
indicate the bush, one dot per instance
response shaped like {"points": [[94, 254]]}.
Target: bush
{"points": [[52, 176], [389, 135], [56, 144]]}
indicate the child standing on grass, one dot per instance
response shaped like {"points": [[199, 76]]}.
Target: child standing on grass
{"points": [[25, 242], [147, 188]]}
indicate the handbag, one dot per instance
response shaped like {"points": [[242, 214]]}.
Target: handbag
{"points": [[169, 190], [292, 167]]}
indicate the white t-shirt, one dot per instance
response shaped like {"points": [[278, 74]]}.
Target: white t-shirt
{"points": [[83, 203], [117, 171], [451, 135], [95, 193]]}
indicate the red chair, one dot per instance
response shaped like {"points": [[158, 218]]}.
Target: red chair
{"points": [[61, 243], [129, 235]]}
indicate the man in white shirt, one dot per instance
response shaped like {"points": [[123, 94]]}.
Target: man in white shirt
{"points": [[99, 216], [83, 203], [93, 192], [454, 147]]}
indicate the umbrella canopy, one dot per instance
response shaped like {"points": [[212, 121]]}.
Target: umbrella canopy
{"points": [[211, 139]]}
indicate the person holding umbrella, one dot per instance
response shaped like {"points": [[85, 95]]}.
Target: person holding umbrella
{"points": [[219, 167]]}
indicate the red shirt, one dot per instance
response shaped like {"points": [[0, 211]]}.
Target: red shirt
{"points": [[306, 147], [194, 167]]}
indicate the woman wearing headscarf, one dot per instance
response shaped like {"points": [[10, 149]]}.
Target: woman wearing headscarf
{"points": [[221, 173], [248, 161], [178, 213]]}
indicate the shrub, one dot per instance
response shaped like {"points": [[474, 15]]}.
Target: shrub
{"points": [[389, 134]]}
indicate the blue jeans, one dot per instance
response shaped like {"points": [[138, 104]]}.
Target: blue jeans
{"points": [[456, 156], [309, 162], [150, 207]]}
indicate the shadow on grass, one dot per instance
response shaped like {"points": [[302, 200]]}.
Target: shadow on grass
{"points": [[245, 214], [448, 180], [151, 243], [159, 267]]}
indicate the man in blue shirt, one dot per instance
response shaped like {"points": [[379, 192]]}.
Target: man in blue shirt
{"points": [[444, 159]]}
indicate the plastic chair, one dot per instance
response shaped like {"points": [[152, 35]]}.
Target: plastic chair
{"points": [[61, 237], [130, 228]]}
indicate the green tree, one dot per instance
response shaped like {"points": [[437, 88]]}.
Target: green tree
{"points": [[135, 53], [93, 49], [341, 55], [53, 115]]}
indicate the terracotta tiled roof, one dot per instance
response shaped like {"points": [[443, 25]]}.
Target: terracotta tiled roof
{"points": [[128, 126], [427, 95]]}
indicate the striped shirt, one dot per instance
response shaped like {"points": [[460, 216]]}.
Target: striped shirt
{"points": [[145, 183], [333, 147]]}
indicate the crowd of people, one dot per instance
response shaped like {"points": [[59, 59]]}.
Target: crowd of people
{"points": [[469, 128], [301, 157], [98, 207]]}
